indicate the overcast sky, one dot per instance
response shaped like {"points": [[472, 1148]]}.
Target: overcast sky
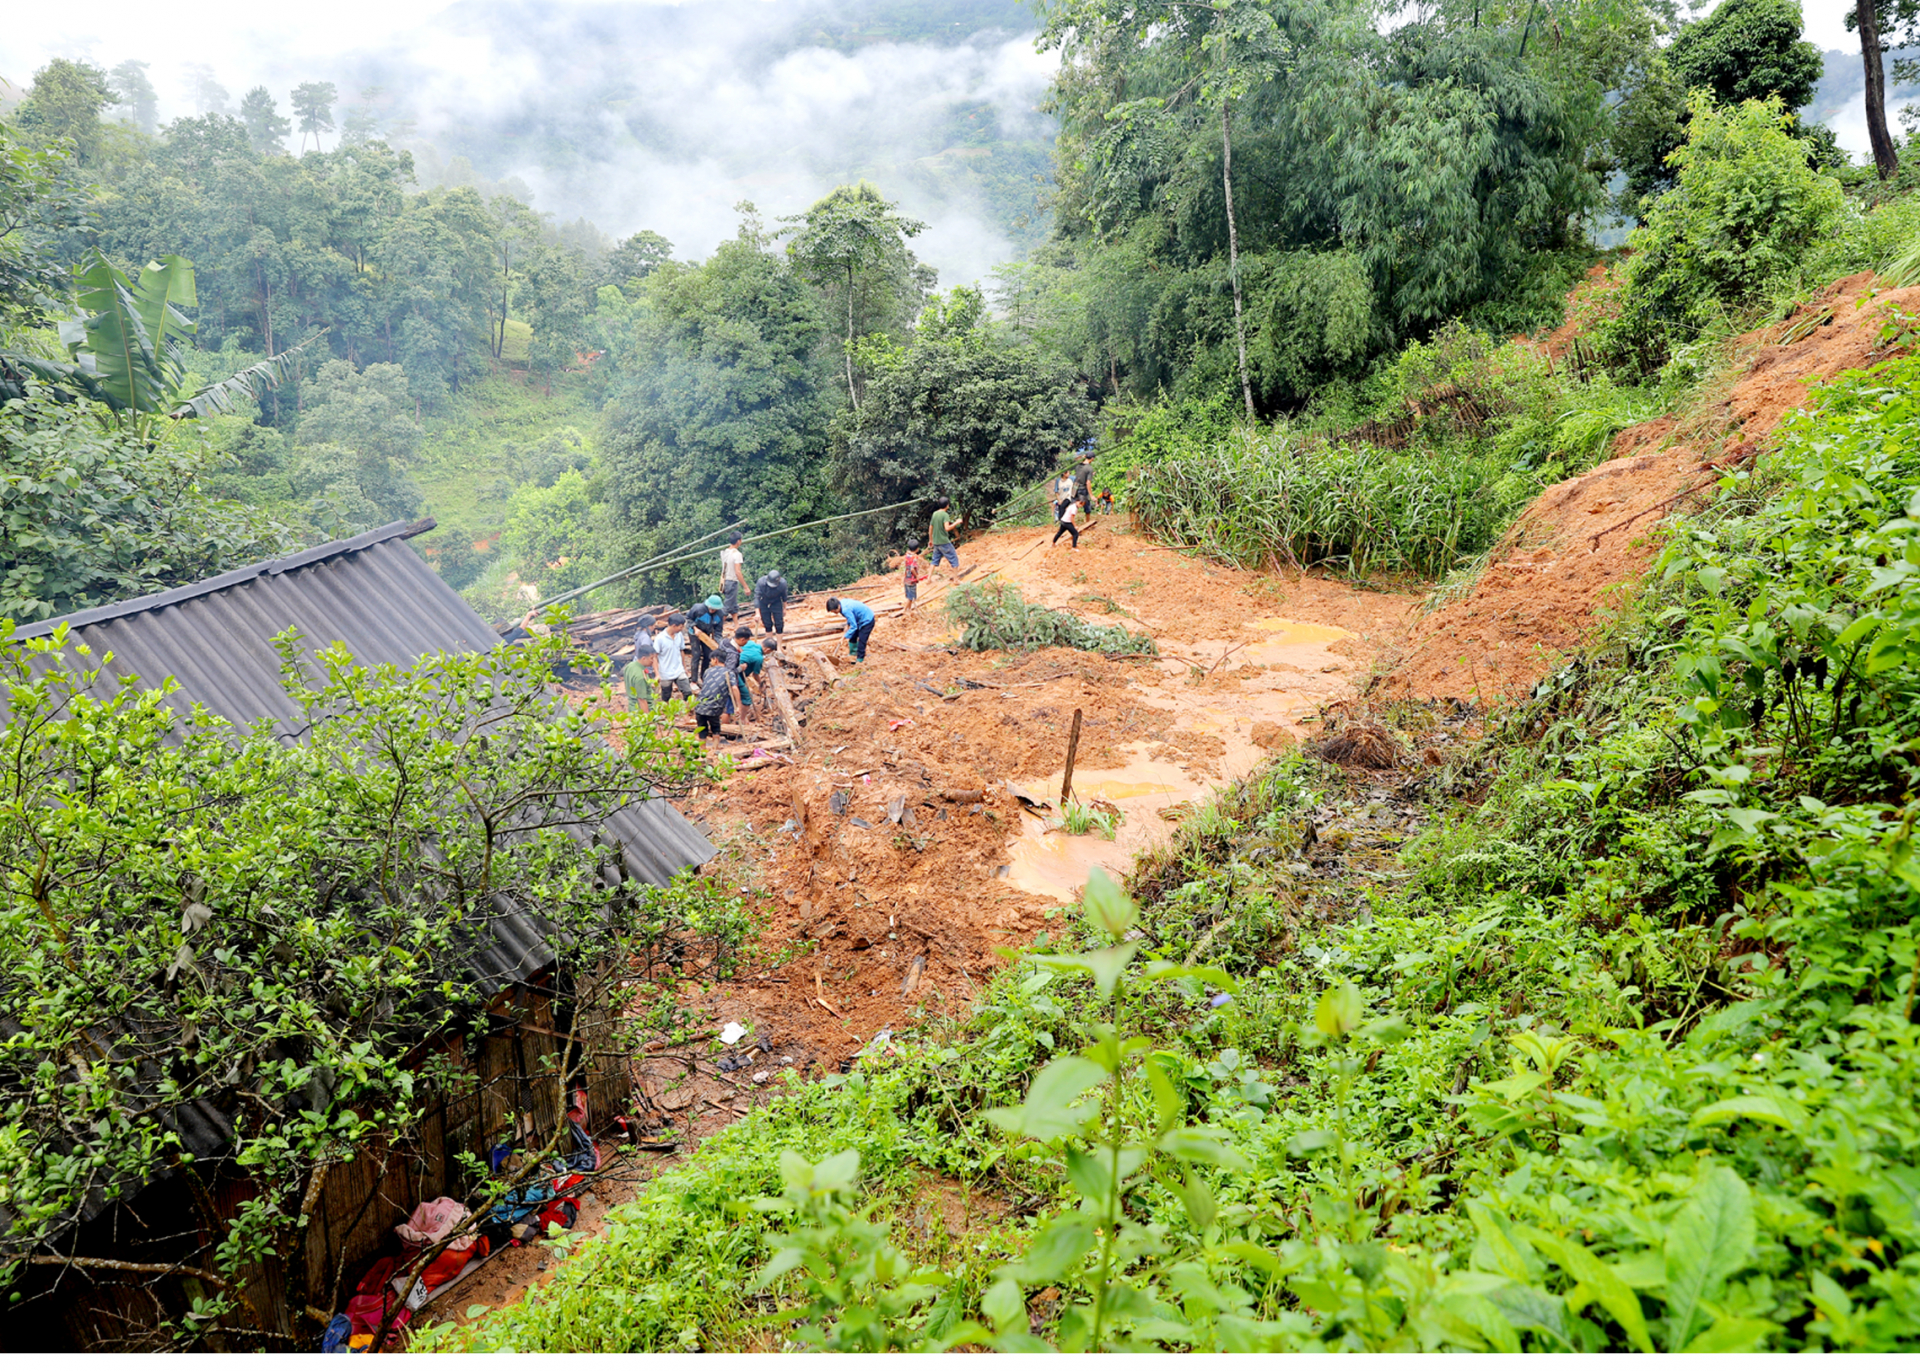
{"points": [[635, 115], [665, 112]]}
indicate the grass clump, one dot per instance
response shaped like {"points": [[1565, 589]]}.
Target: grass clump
{"points": [[994, 616], [1081, 819]]}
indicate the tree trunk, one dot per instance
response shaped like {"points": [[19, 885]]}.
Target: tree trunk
{"points": [[1885, 159], [1233, 247], [853, 400]]}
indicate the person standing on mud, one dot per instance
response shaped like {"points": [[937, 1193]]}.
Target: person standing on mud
{"points": [[770, 598], [733, 575], [707, 625], [940, 534], [670, 669], [1068, 524], [1083, 480], [1062, 492], [912, 572], [717, 692], [859, 625]]}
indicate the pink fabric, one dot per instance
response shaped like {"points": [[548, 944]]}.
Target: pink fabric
{"points": [[432, 1221]]}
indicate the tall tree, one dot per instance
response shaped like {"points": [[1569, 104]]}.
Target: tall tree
{"points": [[135, 94], [267, 128], [719, 411], [852, 232], [313, 108], [1749, 50], [962, 410], [1885, 160], [516, 240], [209, 96], [1884, 23], [65, 102]]}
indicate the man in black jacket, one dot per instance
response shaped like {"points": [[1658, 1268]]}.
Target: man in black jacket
{"points": [[770, 598], [706, 626]]}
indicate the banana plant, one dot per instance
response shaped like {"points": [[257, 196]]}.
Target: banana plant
{"points": [[129, 345]]}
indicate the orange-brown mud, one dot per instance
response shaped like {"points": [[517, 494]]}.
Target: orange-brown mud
{"points": [[892, 838], [1572, 556]]}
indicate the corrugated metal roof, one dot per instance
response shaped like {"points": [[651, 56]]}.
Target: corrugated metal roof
{"points": [[373, 594]]}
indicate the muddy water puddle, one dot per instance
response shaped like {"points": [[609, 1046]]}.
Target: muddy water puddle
{"points": [[1047, 861], [1297, 674]]}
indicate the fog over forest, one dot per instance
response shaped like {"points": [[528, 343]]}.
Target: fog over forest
{"points": [[648, 116]]}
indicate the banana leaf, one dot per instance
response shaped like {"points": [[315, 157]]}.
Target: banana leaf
{"points": [[127, 340], [246, 384]]}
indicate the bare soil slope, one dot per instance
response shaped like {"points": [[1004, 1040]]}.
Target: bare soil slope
{"points": [[1585, 542]]}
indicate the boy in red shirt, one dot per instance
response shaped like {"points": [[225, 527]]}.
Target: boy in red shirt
{"points": [[913, 571]]}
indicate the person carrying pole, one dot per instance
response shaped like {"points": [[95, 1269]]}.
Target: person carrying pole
{"points": [[940, 534], [733, 575], [707, 626], [770, 598], [748, 659], [859, 625]]}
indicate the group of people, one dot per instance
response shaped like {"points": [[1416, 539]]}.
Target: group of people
{"points": [[694, 656], [1073, 498]]}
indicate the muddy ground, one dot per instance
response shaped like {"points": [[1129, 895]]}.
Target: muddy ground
{"points": [[890, 856]]}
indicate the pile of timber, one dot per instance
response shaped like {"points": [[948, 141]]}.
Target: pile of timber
{"points": [[610, 632]]}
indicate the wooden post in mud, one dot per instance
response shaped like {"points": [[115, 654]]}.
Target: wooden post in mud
{"points": [[1073, 747]]}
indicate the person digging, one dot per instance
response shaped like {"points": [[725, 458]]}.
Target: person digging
{"points": [[859, 625]]}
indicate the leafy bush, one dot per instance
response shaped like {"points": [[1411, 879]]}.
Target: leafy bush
{"points": [[270, 927], [994, 616], [89, 515], [1745, 212]]}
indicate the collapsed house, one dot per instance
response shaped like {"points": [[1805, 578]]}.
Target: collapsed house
{"points": [[377, 597]]}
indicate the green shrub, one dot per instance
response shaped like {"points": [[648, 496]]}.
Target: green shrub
{"points": [[1254, 498], [1739, 223], [994, 617]]}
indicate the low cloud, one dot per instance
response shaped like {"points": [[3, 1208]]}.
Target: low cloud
{"points": [[663, 117]]}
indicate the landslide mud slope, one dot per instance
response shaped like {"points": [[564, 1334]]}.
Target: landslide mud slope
{"points": [[1583, 544]]}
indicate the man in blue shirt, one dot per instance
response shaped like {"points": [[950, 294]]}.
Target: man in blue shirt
{"points": [[859, 625]]}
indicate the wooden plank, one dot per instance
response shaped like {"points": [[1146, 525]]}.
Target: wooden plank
{"points": [[826, 666], [782, 701]]}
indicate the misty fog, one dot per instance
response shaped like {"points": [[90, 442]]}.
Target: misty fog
{"points": [[647, 116]]}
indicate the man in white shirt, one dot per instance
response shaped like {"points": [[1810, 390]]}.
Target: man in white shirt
{"points": [[733, 575], [672, 669]]}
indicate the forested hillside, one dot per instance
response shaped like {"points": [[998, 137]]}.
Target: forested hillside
{"points": [[1531, 966]]}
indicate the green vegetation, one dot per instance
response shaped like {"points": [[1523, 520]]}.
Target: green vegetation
{"points": [[1593, 1030], [229, 918], [1618, 1057], [994, 616], [1081, 819]]}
